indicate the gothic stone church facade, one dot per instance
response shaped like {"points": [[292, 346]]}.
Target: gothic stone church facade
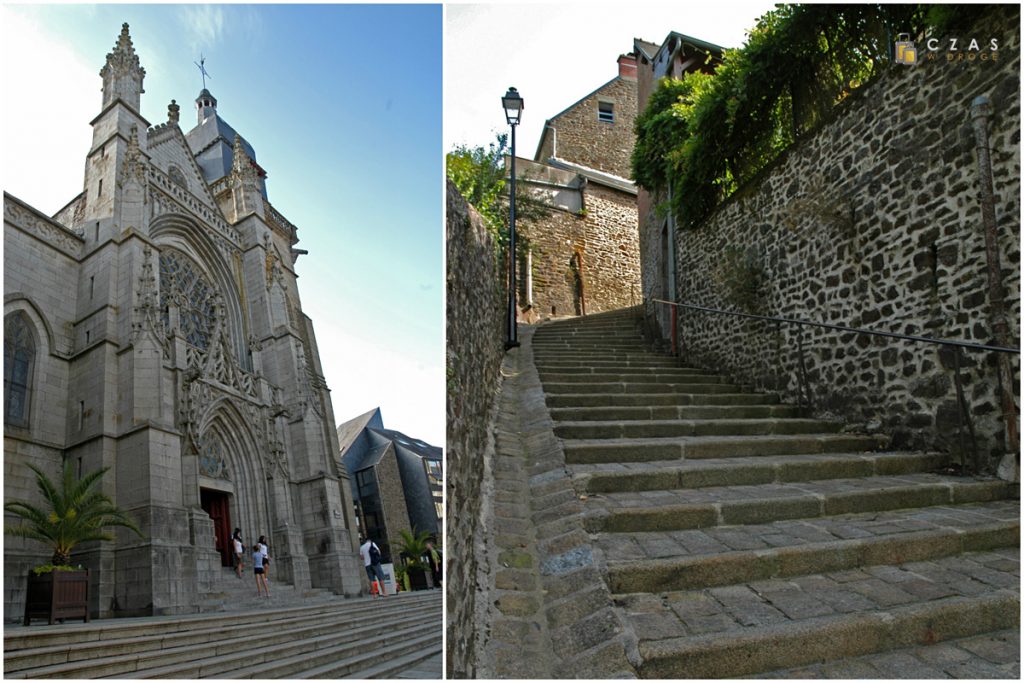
{"points": [[153, 326]]}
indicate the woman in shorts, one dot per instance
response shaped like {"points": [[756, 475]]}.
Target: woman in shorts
{"points": [[257, 568]]}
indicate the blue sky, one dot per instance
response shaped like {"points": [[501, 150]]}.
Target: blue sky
{"points": [[343, 107]]}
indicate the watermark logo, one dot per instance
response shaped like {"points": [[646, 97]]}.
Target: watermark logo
{"points": [[946, 49], [906, 52]]}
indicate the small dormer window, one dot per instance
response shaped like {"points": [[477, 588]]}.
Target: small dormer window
{"points": [[606, 112]]}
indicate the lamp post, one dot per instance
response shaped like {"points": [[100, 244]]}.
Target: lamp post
{"points": [[513, 105]]}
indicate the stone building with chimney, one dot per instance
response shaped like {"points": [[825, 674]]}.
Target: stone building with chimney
{"points": [[153, 326], [583, 257]]}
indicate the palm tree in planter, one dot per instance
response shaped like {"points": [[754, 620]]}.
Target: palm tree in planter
{"points": [[74, 513], [412, 548]]}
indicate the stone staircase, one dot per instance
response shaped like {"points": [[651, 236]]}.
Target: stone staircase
{"points": [[355, 638], [233, 593], [740, 539]]}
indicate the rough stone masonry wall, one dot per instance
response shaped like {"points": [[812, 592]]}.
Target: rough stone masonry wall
{"points": [[583, 139], [875, 222], [475, 348], [606, 239]]}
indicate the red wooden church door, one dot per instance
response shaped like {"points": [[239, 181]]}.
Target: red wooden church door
{"points": [[215, 503]]}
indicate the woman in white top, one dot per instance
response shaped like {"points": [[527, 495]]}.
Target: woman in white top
{"points": [[236, 546]]}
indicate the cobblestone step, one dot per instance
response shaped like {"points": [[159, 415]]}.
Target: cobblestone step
{"points": [[725, 505], [639, 387], [643, 429], [656, 562], [200, 645], [702, 447], [648, 400], [667, 375], [675, 474], [672, 412], [989, 656], [746, 628]]}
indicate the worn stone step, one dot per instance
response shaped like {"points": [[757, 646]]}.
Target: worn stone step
{"points": [[987, 656], [701, 447], [672, 412], [591, 369], [612, 355], [575, 364], [727, 505], [640, 388], [656, 562], [745, 629], [612, 400], [672, 377], [747, 471], [642, 429]]}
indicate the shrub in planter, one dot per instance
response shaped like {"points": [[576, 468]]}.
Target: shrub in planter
{"points": [[73, 513]]}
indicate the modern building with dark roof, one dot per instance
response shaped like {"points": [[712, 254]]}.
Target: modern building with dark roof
{"points": [[396, 480]]}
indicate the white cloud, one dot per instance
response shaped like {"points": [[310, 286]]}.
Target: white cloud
{"points": [[204, 25], [32, 57]]}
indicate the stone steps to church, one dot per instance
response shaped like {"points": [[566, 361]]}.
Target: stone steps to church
{"points": [[580, 401], [165, 646], [344, 653], [234, 593], [737, 538], [702, 447], [645, 429], [657, 475], [385, 663], [722, 555]]}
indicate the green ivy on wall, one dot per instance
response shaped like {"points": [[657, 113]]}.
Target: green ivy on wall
{"points": [[703, 137]]}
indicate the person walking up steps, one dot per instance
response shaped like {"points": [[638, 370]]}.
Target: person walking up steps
{"points": [[258, 555], [371, 560]]}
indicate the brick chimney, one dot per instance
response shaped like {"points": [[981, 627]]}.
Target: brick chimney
{"points": [[627, 66]]}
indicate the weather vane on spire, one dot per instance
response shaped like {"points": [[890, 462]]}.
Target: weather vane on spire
{"points": [[202, 69]]}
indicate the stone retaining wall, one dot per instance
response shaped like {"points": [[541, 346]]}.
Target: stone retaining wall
{"points": [[475, 347], [874, 222]]}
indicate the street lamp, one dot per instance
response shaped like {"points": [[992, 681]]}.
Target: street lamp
{"points": [[513, 105]]}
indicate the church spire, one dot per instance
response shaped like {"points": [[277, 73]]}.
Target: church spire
{"points": [[122, 75]]}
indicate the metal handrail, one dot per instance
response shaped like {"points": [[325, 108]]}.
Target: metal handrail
{"points": [[843, 328], [803, 386]]}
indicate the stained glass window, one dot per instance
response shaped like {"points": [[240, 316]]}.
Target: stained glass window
{"points": [[182, 282], [19, 358]]}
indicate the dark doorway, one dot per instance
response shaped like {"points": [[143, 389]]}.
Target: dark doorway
{"points": [[215, 503]]}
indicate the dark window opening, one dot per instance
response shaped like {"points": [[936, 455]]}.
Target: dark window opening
{"points": [[606, 112], [19, 359]]}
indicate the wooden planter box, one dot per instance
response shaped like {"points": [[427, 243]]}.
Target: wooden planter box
{"points": [[57, 595], [417, 578]]}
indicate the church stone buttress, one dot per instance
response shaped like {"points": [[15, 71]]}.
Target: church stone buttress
{"points": [[192, 372]]}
